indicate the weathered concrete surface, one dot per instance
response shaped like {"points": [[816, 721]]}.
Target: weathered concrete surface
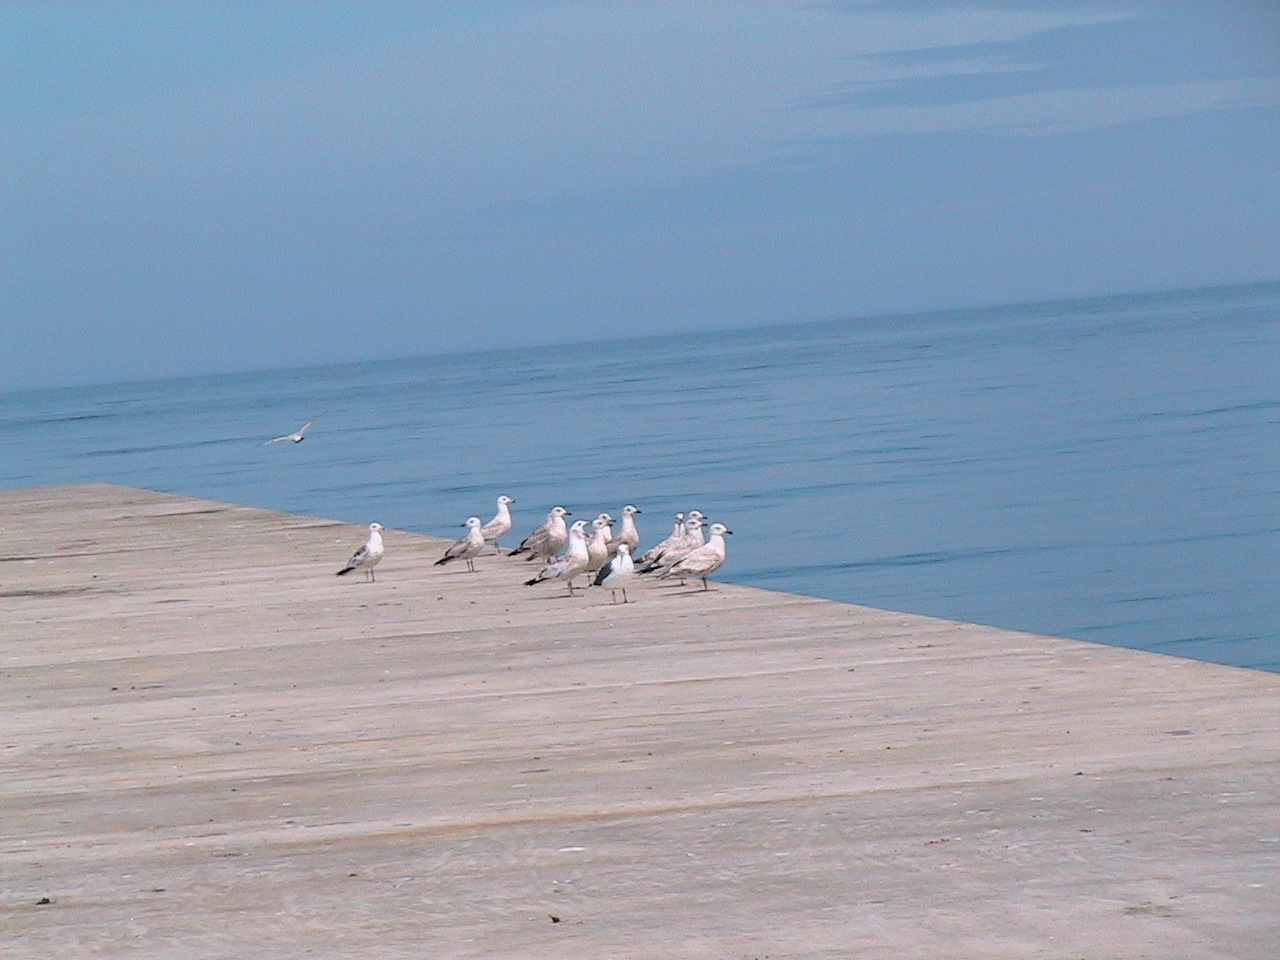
{"points": [[213, 747]]}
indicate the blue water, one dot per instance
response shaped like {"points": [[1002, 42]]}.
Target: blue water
{"points": [[1106, 469]]}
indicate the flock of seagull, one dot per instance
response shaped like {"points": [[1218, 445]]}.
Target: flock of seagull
{"points": [[568, 551]]}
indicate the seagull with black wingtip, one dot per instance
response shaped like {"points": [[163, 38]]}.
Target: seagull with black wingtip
{"points": [[468, 548]]}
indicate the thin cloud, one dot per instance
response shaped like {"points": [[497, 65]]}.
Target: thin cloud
{"points": [[1065, 111], [543, 101]]}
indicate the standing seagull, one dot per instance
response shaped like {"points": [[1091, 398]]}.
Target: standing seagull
{"points": [[499, 526], [570, 563], [691, 539], [617, 572], [549, 539], [703, 561], [656, 551], [598, 545], [628, 534], [467, 548], [296, 436], [366, 557]]}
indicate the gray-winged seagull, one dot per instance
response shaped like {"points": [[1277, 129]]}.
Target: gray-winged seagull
{"points": [[570, 563], [703, 561], [367, 557], [467, 548], [499, 526], [549, 539]]}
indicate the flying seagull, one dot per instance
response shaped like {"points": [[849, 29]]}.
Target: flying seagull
{"points": [[367, 557], [296, 436]]}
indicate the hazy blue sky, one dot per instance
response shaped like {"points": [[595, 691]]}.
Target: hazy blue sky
{"points": [[208, 187]]}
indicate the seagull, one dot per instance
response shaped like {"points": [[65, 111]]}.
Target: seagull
{"points": [[691, 539], [695, 535], [617, 572], [703, 561], [607, 522], [467, 548], [598, 545], [677, 532], [549, 539], [366, 557], [568, 564], [628, 534], [296, 436], [499, 526]]}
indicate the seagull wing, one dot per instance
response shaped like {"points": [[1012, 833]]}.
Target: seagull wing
{"points": [[356, 560]]}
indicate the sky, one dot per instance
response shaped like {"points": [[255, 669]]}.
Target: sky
{"points": [[202, 188]]}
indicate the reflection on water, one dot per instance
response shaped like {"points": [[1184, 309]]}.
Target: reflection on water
{"points": [[1106, 469]]}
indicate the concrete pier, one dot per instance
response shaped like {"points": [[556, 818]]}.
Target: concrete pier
{"points": [[213, 747]]}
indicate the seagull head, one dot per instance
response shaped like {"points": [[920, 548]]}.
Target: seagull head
{"points": [[472, 522]]}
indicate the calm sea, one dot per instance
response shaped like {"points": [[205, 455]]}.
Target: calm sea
{"points": [[1107, 469]]}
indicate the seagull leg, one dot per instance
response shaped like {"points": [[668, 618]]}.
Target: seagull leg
{"points": [[704, 583], [624, 595]]}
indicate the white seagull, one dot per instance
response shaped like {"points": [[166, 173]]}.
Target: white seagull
{"points": [[499, 526], [467, 548], [628, 534], [366, 557], [296, 436], [549, 539], [570, 563], [703, 561], [617, 572]]}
